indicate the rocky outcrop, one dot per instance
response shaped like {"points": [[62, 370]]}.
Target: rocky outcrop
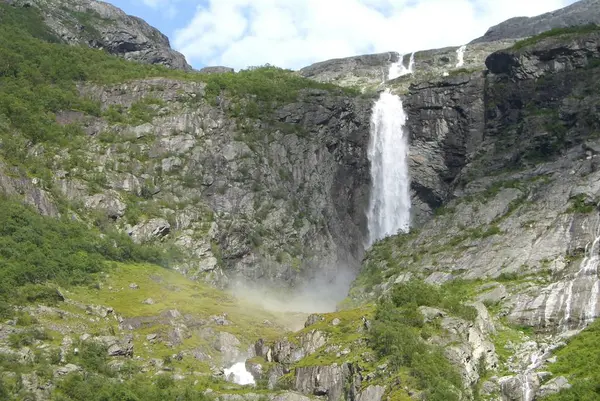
{"points": [[104, 26], [580, 13], [445, 123], [352, 71]]}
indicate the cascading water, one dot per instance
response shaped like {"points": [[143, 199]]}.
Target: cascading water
{"points": [[238, 374], [460, 55], [398, 69], [389, 207]]}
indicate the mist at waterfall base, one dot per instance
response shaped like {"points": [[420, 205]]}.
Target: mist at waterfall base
{"points": [[319, 294], [238, 374], [389, 206]]}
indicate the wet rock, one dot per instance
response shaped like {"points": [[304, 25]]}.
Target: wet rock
{"points": [[228, 345]]}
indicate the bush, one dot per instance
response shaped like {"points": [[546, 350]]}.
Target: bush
{"points": [[36, 249], [76, 387], [27, 337], [395, 337]]}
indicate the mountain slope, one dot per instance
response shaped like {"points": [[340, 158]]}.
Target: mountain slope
{"points": [[103, 26], [582, 12]]}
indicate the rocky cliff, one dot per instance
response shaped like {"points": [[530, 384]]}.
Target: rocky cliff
{"points": [[103, 26]]}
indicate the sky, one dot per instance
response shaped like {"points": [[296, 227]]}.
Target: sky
{"points": [[296, 33]]}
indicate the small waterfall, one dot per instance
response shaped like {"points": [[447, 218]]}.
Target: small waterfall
{"points": [[389, 208], [238, 374], [398, 69], [460, 55]]}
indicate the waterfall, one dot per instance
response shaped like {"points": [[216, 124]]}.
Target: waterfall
{"points": [[238, 374], [389, 208], [460, 55], [398, 69]]}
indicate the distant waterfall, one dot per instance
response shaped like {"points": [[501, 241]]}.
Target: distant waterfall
{"points": [[398, 69], [460, 56], [389, 209]]}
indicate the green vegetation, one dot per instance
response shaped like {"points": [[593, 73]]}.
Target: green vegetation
{"points": [[36, 250], [572, 30], [580, 363], [398, 332], [77, 387], [581, 204], [38, 78]]}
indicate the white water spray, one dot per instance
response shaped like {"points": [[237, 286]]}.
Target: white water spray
{"points": [[398, 69], [239, 375], [389, 208], [460, 55]]}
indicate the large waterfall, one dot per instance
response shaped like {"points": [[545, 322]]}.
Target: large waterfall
{"points": [[389, 209]]}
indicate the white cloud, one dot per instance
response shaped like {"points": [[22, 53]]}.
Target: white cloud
{"points": [[295, 33]]}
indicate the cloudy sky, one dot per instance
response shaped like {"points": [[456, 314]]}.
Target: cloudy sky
{"points": [[296, 33]]}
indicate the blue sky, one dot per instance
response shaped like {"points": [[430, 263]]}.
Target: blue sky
{"points": [[296, 33]]}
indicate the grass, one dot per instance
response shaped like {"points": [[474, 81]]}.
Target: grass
{"points": [[170, 290], [580, 363], [573, 30]]}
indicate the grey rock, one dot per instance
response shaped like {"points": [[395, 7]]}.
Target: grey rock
{"points": [[371, 393], [336, 322], [290, 396], [312, 319], [553, 386], [494, 296], [229, 347], [150, 230], [67, 369], [322, 380], [580, 13], [134, 286], [116, 346], [216, 70], [148, 301], [109, 28]]}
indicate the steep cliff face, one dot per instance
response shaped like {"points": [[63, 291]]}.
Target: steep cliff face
{"points": [[272, 199], [103, 26]]}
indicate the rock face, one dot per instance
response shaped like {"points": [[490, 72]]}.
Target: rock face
{"points": [[366, 69], [580, 13], [104, 26], [277, 199], [446, 124]]}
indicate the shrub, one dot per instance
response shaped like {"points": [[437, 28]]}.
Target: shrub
{"points": [[27, 337]]}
